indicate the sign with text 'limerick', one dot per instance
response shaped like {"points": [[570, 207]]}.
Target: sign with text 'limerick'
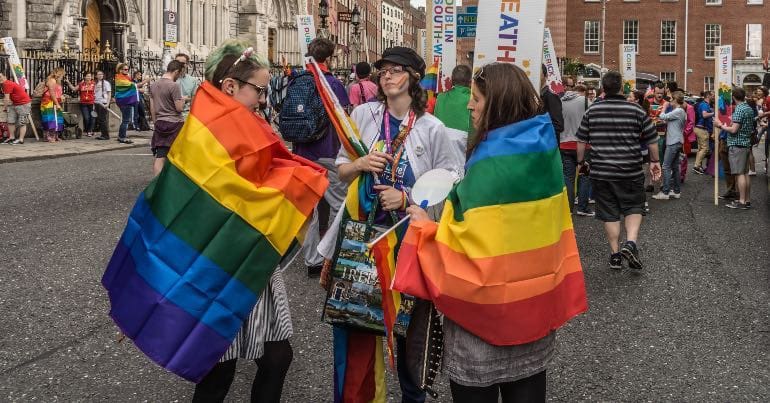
{"points": [[628, 67], [442, 37], [305, 32], [511, 31], [553, 76], [13, 59]]}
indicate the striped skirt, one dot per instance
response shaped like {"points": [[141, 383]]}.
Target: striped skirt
{"points": [[270, 320], [52, 119]]}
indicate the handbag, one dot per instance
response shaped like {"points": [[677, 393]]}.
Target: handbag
{"points": [[424, 345], [354, 297]]}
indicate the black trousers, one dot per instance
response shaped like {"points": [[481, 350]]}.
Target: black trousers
{"points": [[103, 120], [268, 383], [527, 390]]}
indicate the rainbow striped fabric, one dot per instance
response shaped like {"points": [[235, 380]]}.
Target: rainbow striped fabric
{"points": [[206, 235], [430, 81], [52, 119], [503, 262], [385, 252], [125, 90]]}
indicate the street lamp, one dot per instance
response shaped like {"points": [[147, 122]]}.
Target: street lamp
{"points": [[355, 20], [323, 13]]}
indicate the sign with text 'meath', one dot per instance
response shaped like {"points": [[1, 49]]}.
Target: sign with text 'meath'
{"points": [[13, 58], [553, 76], [305, 32], [628, 67], [442, 37], [511, 31]]}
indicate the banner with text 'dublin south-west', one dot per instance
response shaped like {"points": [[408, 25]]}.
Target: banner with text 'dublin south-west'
{"points": [[511, 31]]}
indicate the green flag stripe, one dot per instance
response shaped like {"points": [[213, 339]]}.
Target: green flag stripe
{"points": [[211, 229]]}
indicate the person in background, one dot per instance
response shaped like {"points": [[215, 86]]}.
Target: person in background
{"points": [[51, 105], [19, 107], [166, 106], [637, 97], [591, 93], [363, 89], [140, 115], [675, 127], [739, 146], [187, 83], [574, 106], [616, 166], [704, 127], [551, 104], [86, 91], [102, 97], [452, 106], [126, 96]]}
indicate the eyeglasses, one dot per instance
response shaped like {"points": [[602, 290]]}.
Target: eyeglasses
{"points": [[392, 70], [260, 90]]}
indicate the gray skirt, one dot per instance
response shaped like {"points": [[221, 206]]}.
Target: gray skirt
{"points": [[470, 361]]}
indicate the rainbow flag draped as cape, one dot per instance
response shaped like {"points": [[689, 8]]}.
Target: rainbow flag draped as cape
{"points": [[206, 235], [502, 262], [125, 90]]}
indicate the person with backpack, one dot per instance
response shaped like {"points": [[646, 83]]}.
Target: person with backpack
{"points": [[363, 89], [304, 122]]}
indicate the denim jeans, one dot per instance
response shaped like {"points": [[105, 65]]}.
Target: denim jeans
{"points": [[127, 112], [569, 165], [671, 168], [410, 392], [88, 120]]}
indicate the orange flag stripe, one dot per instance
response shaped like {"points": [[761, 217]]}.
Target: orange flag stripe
{"points": [[484, 280], [233, 133]]}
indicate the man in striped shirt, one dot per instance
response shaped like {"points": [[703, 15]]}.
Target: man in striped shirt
{"points": [[615, 129]]}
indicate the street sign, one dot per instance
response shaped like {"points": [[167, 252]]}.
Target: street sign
{"points": [[466, 20], [344, 16], [170, 28], [466, 31], [471, 10]]}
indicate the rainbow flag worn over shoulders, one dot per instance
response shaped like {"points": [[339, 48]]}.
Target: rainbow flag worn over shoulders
{"points": [[503, 262], [125, 90], [205, 236]]}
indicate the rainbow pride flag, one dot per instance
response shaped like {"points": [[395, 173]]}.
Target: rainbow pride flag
{"points": [[205, 236], [502, 262], [49, 117], [125, 90], [385, 252], [430, 82]]}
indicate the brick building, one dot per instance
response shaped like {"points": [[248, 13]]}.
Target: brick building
{"points": [[674, 43], [414, 21]]}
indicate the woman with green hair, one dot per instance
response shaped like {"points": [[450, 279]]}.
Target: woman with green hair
{"points": [[240, 73]]}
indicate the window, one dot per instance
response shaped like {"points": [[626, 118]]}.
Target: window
{"points": [[708, 83], [631, 33], [754, 2], [713, 2], [713, 39], [753, 40], [667, 76], [668, 37], [591, 37]]}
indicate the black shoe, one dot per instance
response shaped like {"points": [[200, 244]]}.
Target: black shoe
{"points": [[649, 189], [101, 138], [735, 204], [314, 271], [631, 253], [728, 196], [616, 261]]}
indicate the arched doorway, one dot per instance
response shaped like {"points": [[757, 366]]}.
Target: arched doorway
{"points": [[751, 82], [105, 20]]}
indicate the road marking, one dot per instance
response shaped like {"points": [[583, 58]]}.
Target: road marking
{"points": [[131, 154]]}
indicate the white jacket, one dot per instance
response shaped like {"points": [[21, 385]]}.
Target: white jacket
{"points": [[428, 146]]}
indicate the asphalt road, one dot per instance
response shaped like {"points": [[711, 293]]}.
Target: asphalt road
{"points": [[695, 326]]}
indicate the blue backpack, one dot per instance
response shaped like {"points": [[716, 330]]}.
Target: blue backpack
{"points": [[303, 117]]}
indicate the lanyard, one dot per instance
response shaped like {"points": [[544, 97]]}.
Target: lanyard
{"points": [[401, 134]]}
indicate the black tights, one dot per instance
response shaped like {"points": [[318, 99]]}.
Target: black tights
{"points": [[527, 390], [268, 383]]}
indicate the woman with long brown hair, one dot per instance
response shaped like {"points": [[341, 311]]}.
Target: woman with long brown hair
{"points": [[500, 346], [51, 105]]}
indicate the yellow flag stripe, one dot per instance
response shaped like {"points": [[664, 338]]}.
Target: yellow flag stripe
{"points": [[491, 231], [207, 163]]}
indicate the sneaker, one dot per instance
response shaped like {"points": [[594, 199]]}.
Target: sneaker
{"points": [[126, 141], [646, 207], [591, 201], [8, 141], [699, 170], [15, 142], [631, 253], [616, 261], [752, 173], [747, 205], [728, 196], [101, 138], [674, 195], [585, 213], [661, 196], [736, 205], [649, 189]]}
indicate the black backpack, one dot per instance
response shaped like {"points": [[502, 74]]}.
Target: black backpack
{"points": [[303, 118]]}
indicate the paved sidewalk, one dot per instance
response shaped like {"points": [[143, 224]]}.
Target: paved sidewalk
{"points": [[36, 150]]}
